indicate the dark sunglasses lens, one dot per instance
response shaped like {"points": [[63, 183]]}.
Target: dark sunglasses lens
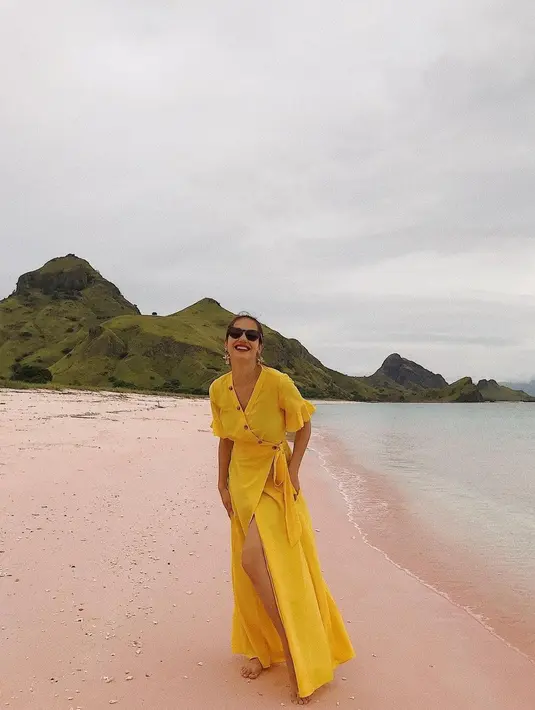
{"points": [[252, 335], [235, 332]]}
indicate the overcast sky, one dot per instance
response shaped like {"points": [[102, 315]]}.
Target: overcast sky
{"points": [[360, 175]]}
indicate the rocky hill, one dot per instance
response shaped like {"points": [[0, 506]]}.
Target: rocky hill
{"points": [[66, 324], [52, 310], [407, 374]]}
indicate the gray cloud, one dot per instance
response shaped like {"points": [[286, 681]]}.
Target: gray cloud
{"points": [[336, 167]]}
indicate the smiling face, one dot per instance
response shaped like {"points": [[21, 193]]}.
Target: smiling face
{"points": [[242, 350]]}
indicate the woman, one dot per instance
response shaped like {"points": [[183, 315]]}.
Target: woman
{"points": [[283, 610]]}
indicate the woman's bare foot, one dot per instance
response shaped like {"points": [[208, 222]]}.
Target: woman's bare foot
{"points": [[298, 700], [252, 669], [294, 690]]}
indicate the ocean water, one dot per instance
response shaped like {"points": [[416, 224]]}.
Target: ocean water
{"points": [[446, 491]]}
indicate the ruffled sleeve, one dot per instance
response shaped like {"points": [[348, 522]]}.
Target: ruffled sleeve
{"points": [[217, 427], [297, 411]]}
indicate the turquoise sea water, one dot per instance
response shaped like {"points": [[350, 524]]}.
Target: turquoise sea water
{"points": [[448, 492]]}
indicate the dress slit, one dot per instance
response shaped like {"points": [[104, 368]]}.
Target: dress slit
{"points": [[273, 589]]}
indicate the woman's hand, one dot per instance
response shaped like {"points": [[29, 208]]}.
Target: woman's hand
{"points": [[294, 477], [300, 444], [225, 498]]}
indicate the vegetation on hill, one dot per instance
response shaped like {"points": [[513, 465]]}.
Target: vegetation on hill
{"points": [[52, 309], [492, 391], [67, 324]]}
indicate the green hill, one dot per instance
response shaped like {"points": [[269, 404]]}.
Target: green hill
{"points": [[183, 352], [67, 324], [463, 390], [51, 311], [493, 392]]}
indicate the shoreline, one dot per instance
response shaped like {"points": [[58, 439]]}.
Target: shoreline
{"points": [[115, 585], [461, 576], [23, 386]]}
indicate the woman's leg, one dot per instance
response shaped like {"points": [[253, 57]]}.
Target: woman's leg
{"points": [[255, 565]]}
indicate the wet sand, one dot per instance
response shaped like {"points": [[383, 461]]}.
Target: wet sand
{"points": [[115, 587]]}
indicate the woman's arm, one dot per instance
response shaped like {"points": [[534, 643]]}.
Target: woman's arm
{"points": [[302, 437], [224, 454]]}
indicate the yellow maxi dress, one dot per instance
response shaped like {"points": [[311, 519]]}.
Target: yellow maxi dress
{"points": [[260, 487]]}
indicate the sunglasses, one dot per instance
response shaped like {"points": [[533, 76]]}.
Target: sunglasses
{"points": [[251, 335]]}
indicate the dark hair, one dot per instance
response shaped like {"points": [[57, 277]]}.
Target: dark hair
{"points": [[244, 314]]}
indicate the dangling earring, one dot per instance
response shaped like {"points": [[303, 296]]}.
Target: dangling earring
{"points": [[226, 357], [259, 359]]}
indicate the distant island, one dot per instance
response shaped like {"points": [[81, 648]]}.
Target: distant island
{"points": [[66, 325]]}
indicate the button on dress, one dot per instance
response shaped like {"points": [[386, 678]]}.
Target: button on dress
{"points": [[260, 487]]}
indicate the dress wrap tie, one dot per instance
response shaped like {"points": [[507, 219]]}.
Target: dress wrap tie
{"points": [[281, 478], [252, 490]]}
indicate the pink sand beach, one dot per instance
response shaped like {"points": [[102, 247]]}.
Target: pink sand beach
{"points": [[115, 587]]}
